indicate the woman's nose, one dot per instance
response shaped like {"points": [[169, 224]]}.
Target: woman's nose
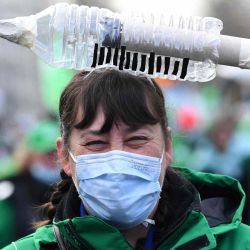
{"points": [[116, 138], [116, 146]]}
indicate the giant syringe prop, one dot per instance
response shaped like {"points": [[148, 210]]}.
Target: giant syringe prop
{"points": [[165, 46]]}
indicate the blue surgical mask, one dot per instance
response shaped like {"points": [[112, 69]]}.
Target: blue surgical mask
{"points": [[46, 174], [119, 187]]}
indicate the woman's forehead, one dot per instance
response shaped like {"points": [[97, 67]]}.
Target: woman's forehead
{"points": [[99, 120], [99, 117]]}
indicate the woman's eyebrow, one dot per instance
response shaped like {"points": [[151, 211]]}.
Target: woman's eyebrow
{"points": [[91, 132], [142, 128]]}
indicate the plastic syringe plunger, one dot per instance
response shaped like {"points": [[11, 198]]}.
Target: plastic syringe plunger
{"points": [[81, 37], [19, 30]]}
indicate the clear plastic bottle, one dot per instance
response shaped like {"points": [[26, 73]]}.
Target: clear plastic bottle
{"points": [[81, 37]]}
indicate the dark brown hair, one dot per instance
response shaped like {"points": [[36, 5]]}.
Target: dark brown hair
{"points": [[135, 100]]}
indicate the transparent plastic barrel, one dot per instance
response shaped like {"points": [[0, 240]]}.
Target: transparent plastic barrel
{"points": [[67, 34], [81, 37]]}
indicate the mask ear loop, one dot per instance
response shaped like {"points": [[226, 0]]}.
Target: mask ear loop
{"points": [[148, 221], [74, 179], [162, 156], [72, 156]]}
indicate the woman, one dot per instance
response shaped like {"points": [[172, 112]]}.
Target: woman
{"points": [[33, 165], [118, 190]]}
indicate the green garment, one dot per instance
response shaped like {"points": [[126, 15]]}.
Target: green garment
{"points": [[41, 138], [18, 196], [199, 230], [7, 215]]}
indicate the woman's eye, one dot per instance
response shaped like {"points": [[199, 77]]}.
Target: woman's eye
{"points": [[137, 139], [95, 143]]}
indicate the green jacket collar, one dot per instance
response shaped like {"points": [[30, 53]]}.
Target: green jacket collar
{"points": [[213, 186], [90, 233]]}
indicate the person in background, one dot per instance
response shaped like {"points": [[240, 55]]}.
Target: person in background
{"points": [[224, 149], [220, 150], [118, 189], [33, 169]]}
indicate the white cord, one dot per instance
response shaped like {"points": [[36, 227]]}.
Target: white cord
{"points": [[148, 221], [14, 245]]}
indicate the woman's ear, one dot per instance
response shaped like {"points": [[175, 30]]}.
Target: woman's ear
{"points": [[168, 147], [63, 157]]}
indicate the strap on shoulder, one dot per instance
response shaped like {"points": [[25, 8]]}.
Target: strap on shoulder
{"points": [[63, 245]]}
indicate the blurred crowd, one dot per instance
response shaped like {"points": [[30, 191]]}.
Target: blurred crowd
{"points": [[211, 129], [28, 168]]}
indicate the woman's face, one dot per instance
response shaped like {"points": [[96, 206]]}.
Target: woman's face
{"points": [[146, 140]]}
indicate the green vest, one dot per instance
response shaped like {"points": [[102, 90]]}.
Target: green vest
{"points": [[90, 232]]}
